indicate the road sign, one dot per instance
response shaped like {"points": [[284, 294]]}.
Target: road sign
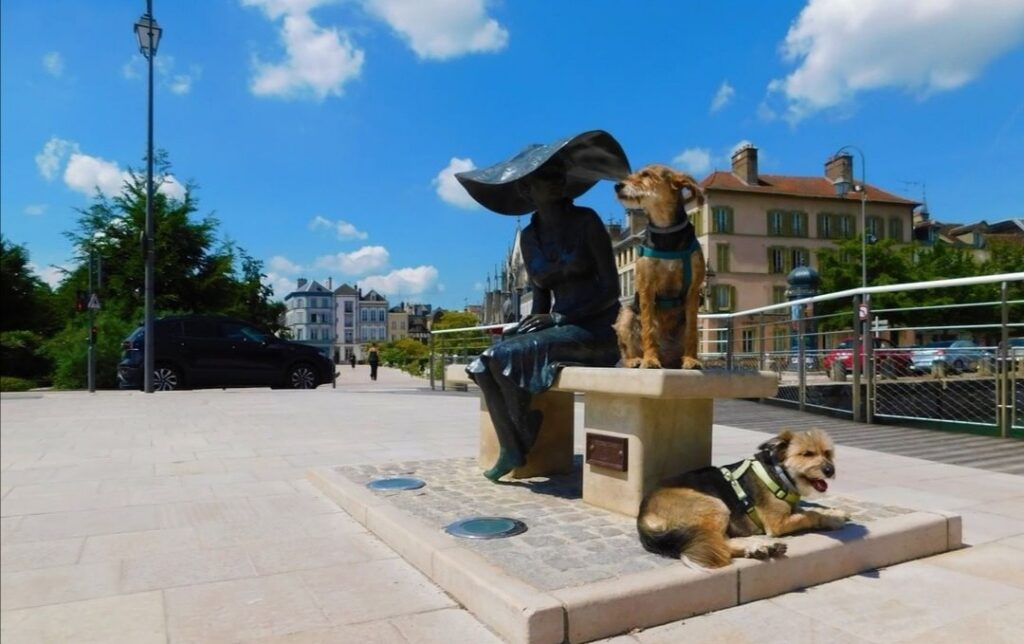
{"points": [[862, 311], [94, 303]]}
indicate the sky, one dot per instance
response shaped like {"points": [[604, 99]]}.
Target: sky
{"points": [[323, 134]]}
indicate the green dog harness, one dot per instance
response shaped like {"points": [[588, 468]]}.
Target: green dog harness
{"points": [[684, 254], [733, 478]]}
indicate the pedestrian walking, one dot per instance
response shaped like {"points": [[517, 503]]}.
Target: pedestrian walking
{"points": [[352, 359], [373, 358]]}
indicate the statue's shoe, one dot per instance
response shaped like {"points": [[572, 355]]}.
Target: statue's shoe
{"points": [[506, 463]]}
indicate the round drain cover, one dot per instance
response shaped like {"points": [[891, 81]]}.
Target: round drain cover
{"points": [[396, 483], [486, 528]]}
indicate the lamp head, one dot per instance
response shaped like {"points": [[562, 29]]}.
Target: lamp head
{"points": [[148, 32]]}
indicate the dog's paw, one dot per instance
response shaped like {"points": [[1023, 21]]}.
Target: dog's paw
{"points": [[767, 550], [650, 363], [632, 363], [692, 363], [834, 519]]}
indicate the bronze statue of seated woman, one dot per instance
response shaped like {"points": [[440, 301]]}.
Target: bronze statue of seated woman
{"points": [[568, 257]]}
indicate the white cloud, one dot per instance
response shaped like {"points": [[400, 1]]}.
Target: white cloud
{"points": [[365, 260], [318, 61], [843, 47], [441, 29], [281, 264], [280, 284], [170, 187], [53, 62], [449, 188], [165, 73], [343, 229], [35, 209], [52, 156], [722, 97], [86, 174], [693, 160], [52, 275], [402, 282]]}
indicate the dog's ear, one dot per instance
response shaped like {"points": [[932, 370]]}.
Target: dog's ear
{"points": [[777, 444], [681, 181]]}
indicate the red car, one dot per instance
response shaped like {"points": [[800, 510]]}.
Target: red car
{"points": [[890, 360]]}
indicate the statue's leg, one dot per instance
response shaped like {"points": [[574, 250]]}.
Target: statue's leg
{"points": [[510, 454]]}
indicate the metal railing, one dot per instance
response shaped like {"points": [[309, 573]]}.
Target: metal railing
{"points": [[897, 376]]}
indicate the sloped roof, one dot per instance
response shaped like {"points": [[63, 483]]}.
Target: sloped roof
{"points": [[311, 286], [816, 187], [373, 296], [345, 289]]}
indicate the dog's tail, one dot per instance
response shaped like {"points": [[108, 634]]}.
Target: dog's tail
{"points": [[701, 547]]}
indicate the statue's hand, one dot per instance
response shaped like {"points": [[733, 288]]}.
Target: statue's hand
{"points": [[537, 322]]}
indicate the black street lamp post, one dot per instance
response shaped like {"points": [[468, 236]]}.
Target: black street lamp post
{"points": [[149, 33]]}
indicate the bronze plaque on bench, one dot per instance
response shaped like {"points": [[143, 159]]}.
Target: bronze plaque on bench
{"points": [[608, 451]]}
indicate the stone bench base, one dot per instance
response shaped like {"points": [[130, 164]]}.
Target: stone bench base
{"points": [[660, 418]]}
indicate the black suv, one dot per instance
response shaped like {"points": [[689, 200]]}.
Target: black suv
{"points": [[217, 351]]}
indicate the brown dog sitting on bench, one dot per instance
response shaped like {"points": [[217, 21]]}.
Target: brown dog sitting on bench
{"points": [[660, 328]]}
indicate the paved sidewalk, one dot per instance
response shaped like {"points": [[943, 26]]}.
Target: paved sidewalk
{"points": [[186, 517]]}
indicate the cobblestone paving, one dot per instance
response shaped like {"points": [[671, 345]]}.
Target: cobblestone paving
{"points": [[569, 543]]}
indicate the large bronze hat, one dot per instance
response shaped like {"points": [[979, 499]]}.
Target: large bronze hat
{"points": [[587, 158]]}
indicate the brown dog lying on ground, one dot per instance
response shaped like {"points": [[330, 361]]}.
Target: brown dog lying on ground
{"points": [[660, 328], [710, 515]]}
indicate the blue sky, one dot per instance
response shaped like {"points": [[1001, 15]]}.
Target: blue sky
{"points": [[323, 134]]}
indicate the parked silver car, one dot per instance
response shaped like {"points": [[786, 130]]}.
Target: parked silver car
{"points": [[957, 355]]}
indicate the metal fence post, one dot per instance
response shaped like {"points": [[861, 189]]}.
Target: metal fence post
{"points": [[869, 366], [801, 356], [431, 361], [763, 353], [728, 343], [1004, 393], [855, 361]]}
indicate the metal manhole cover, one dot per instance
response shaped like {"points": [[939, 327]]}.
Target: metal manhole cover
{"points": [[396, 483], [486, 528]]}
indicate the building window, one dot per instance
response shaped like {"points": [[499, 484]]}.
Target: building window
{"points": [[798, 224], [723, 297], [348, 306], [780, 339], [847, 226], [721, 219], [798, 257], [875, 227], [826, 226], [747, 342], [896, 229], [722, 258], [777, 258], [778, 294], [785, 223]]}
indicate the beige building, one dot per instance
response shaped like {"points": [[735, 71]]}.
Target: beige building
{"points": [[398, 324], [756, 228]]}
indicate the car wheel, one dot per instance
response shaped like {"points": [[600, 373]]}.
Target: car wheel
{"points": [[958, 366], [302, 376], [166, 378]]}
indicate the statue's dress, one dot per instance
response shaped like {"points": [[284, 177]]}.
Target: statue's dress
{"points": [[568, 269]]}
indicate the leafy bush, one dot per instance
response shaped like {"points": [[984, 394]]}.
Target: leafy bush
{"points": [[21, 356], [10, 383], [69, 351]]}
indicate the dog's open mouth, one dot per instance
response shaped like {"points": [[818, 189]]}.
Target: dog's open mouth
{"points": [[818, 484]]}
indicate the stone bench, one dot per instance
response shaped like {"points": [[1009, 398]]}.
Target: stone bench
{"points": [[641, 426]]}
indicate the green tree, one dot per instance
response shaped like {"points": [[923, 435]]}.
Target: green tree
{"points": [[25, 300], [195, 272]]}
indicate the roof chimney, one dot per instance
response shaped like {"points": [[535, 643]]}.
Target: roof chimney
{"points": [[330, 283], [302, 282], [744, 164], [840, 167]]}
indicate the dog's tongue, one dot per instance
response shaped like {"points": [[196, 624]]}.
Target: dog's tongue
{"points": [[819, 485]]}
